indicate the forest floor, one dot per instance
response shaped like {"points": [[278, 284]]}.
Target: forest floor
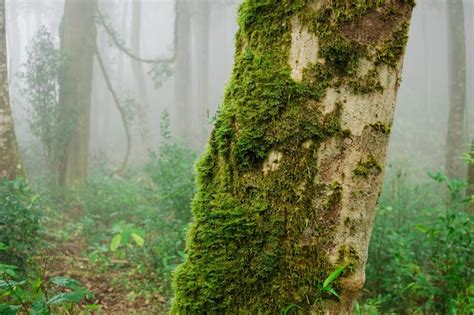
{"points": [[112, 286]]}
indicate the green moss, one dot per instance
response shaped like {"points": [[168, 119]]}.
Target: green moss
{"points": [[379, 126], [369, 83], [367, 167], [393, 49], [259, 242]]}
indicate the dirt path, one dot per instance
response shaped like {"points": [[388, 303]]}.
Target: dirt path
{"points": [[109, 285]]}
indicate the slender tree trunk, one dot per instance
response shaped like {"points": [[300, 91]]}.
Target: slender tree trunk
{"points": [[183, 72], [200, 22], [457, 91], [288, 185], [14, 39], [135, 39], [78, 40], [10, 162]]}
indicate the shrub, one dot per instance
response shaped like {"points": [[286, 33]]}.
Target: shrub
{"points": [[19, 221], [420, 257]]}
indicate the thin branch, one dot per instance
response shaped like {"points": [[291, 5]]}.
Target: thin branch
{"points": [[120, 45], [120, 109]]}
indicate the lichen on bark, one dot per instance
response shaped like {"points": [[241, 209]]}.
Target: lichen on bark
{"points": [[278, 208]]}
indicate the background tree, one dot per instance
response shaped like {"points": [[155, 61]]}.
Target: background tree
{"points": [[78, 40], [288, 185], [183, 70], [456, 142], [10, 162], [200, 27]]}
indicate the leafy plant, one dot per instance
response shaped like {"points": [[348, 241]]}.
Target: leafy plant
{"points": [[420, 257], [38, 295], [124, 234], [41, 90], [326, 287], [20, 216]]}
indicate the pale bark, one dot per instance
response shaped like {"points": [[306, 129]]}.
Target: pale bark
{"points": [[288, 185], [456, 142], [78, 40], [10, 162]]}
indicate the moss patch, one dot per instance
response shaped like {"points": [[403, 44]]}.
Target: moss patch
{"points": [[259, 241], [368, 166]]}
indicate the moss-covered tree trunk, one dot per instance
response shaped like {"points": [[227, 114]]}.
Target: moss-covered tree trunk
{"points": [[10, 162], [78, 39], [288, 185], [456, 142]]}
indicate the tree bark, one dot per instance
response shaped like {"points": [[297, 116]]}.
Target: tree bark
{"points": [[183, 72], [288, 185], [455, 141], [10, 161], [78, 40]]}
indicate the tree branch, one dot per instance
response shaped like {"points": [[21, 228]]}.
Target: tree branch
{"points": [[120, 109], [121, 46]]}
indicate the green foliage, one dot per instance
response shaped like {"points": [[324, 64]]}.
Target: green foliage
{"points": [[143, 218], [41, 91], [327, 284], [420, 258], [171, 171], [124, 234], [38, 295], [19, 221]]}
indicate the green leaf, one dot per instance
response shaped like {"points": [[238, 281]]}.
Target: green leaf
{"points": [[138, 239], [422, 228], [67, 297], [10, 284], [3, 247], [115, 242], [332, 291], [334, 275], [8, 269], [65, 282], [93, 307], [39, 308], [9, 309], [288, 308]]}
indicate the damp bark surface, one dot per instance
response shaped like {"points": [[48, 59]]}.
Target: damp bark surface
{"points": [[291, 175], [10, 161]]}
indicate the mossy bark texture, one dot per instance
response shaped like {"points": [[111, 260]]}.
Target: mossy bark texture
{"points": [[78, 40], [10, 162], [288, 184]]}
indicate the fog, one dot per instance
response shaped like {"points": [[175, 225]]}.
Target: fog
{"points": [[113, 187], [202, 43]]}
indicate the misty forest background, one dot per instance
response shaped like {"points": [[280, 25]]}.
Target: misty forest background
{"points": [[115, 241]]}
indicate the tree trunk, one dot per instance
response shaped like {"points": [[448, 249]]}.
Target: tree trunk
{"points": [[457, 91], [10, 162], [139, 71], [78, 39], [200, 25], [183, 72], [288, 185]]}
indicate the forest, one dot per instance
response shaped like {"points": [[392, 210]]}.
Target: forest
{"points": [[236, 157]]}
